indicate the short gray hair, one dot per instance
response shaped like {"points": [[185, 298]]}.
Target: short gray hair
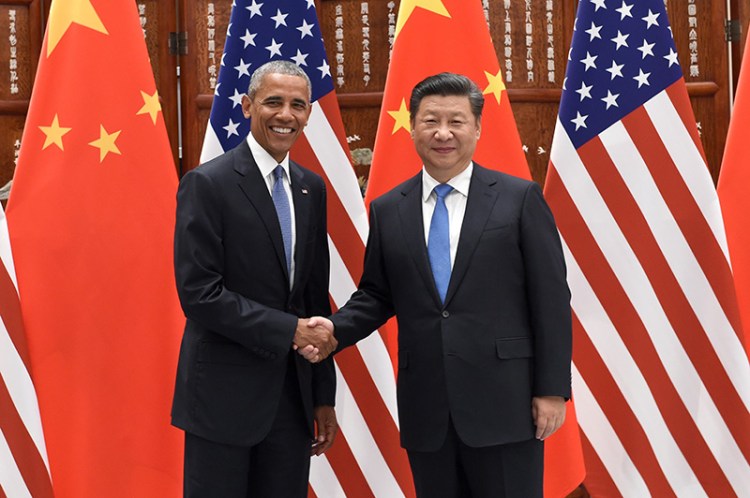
{"points": [[277, 67]]}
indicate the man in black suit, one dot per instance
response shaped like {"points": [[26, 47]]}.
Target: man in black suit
{"points": [[470, 262], [251, 255]]}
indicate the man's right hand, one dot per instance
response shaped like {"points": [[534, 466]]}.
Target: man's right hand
{"points": [[313, 339]]}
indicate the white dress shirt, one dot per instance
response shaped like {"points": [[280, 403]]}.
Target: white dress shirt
{"points": [[266, 165], [455, 203]]}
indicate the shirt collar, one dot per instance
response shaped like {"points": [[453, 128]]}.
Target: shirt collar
{"points": [[460, 182], [266, 163]]}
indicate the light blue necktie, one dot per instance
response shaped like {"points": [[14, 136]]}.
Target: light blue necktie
{"points": [[281, 201], [439, 243]]}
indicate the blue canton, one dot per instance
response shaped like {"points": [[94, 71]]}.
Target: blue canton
{"points": [[259, 32], [622, 55]]}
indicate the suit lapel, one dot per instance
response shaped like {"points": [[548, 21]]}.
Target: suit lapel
{"points": [[482, 198], [302, 213], [412, 225], [253, 185]]}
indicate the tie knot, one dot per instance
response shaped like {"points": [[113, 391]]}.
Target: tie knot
{"points": [[278, 173], [442, 190]]}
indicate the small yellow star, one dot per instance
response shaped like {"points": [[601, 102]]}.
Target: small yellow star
{"points": [[63, 13], [496, 85], [54, 134], [151, 105], [402, 118], [106, 143], [408, 6]]}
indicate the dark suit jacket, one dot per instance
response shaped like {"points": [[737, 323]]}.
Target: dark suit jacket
{"points": [[232, 282], [504, 333]]}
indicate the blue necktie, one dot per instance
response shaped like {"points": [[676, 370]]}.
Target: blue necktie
{"points": [[439, 243], [281, 201]]}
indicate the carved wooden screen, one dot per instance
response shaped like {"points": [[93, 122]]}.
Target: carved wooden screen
{"points": [[20, 43]]}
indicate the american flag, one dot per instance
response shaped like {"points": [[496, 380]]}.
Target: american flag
{"points": [[661, 378], [24, 469], [366, 459]]}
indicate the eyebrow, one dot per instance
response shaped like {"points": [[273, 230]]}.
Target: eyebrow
{"points": [[276, 98]]}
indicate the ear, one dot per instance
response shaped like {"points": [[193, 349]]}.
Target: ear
{"points": [[246, 106]]}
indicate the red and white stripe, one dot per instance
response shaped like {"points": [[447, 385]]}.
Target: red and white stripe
{"points": [[366, 459], [24, 469], [661, 378]]}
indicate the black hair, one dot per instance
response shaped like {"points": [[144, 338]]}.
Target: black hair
{"points": [[447, 84]]}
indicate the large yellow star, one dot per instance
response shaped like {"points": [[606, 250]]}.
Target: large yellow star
{"points": [[151, 105], [408, 6], [402, 118], [54, 134], [63, 13], [496, 85], [106, 143]]}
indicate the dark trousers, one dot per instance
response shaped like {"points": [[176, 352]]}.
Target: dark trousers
{"points": [[277, 467], [512, 470]]}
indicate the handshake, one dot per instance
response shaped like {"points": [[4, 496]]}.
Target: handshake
{"points": [[314, 338]]}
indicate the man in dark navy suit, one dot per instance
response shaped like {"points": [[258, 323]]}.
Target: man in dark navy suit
{"points": [[251, 256], [470, 262]]}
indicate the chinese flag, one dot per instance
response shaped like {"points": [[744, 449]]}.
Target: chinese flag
{"points": [[91, 218], [434, 36], [733, 196]]}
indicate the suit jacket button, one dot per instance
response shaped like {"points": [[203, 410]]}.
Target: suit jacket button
{"points": [[446, 314]]}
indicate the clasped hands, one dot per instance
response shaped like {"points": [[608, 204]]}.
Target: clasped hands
{"points": [[314, 338]]}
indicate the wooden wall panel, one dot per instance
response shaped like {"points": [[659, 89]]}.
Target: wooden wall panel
{"points": [[158, 19], [532, 41], [20, 42], [205, 22], [360, 95], [698, 30]]}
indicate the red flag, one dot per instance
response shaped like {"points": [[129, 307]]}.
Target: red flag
{"points": [[91, 217], [452, 35], [432, 37], [24, 470], [735, 201], [661, 379]]}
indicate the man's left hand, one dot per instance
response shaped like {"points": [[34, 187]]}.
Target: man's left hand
{"points": [[548, 413], [326, 427]]}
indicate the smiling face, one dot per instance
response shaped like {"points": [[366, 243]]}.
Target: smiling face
{"points": [[445, 134], [278, 111]]}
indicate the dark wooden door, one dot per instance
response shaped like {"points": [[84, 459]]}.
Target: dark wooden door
{"points": [[159, 21], [205, 24]]}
